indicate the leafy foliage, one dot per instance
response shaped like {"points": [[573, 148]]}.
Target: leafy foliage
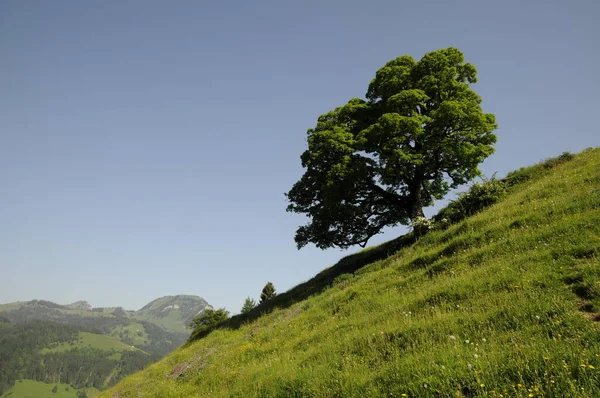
{"points": [[479, 196], [248, 305], [267, 293], [377, 162]]}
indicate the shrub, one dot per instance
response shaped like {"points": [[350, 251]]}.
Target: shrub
{"points": [[208, 319], [422, 225], [477, 198]]}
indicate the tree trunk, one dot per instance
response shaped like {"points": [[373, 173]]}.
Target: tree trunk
{"points": [[416, 210]]}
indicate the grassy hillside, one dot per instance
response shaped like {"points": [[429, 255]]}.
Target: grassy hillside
{"points": [[504, 303]]}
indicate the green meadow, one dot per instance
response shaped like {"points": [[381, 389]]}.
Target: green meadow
{"points": [[92, 340], [37, 389]]}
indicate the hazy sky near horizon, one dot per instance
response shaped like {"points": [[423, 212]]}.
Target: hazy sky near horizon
{"points": [[146, 146]]}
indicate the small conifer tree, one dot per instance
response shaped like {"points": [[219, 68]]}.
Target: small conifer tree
{"points": [[268, 292], [248, 305]]}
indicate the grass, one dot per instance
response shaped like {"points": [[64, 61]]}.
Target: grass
{"points": [[36, 389], [503, 304], [85, 340]]}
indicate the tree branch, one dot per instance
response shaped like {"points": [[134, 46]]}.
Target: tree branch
{"points": [[390, 197]]}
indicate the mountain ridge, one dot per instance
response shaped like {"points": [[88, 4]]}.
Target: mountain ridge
{"points": [[85, 305]]}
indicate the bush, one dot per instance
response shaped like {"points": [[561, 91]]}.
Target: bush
{"points": [[208, 319], [477, 198], [422, 225]]}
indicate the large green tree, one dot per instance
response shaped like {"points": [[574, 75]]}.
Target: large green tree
{"points": [[378, 162]]}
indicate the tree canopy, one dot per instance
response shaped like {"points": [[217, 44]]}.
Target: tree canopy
{"points": [[378, 162]]}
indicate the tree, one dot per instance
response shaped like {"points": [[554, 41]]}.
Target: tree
{"points": [[55, 389], [208, 319], [268, 292], [248, 305], [378, 162]]}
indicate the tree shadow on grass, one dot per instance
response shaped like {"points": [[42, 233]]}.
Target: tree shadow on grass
{"points": [[315, 285]]}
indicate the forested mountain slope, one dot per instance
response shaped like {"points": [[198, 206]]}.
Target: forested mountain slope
{"points": [[84, 347]]}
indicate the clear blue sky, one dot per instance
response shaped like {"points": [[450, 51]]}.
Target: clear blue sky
{"points": [[145, 146]]}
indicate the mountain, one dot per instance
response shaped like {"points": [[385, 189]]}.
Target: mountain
{"points": [[505, 302], [87, 348], [172, 312]]}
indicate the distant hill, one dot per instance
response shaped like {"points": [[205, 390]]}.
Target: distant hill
{"points": [[79, 305], [46, 342], [504, 303], [172, 312]]}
